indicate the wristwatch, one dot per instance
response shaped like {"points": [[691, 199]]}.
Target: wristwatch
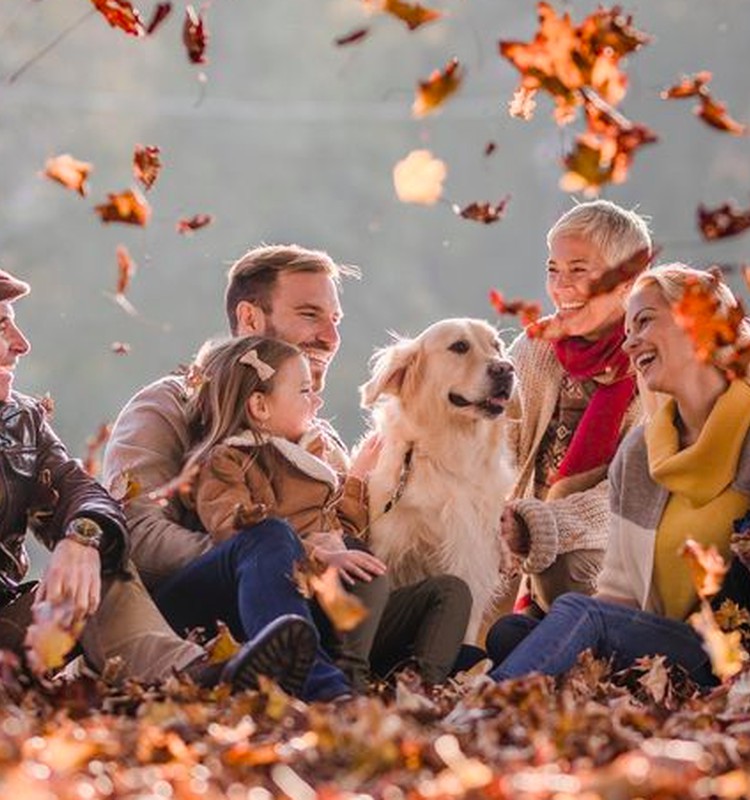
{"points": [[84, 531]]}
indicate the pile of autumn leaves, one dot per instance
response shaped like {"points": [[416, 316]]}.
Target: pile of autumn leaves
{"points": [[644, 732]]}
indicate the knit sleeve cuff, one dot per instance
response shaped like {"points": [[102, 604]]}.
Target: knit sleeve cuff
{"points": [[542, 527]]}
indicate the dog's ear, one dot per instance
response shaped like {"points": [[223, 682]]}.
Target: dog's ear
{"points": [[389, 367]]}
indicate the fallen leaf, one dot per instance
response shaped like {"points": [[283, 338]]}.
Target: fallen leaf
{"points": [[158, 15], [419, 177], [194, 35], [433, 92], [351, 38], [121, 14], [707, 567], [483, 212], [69, 171], [146, 165], [128, 207], [189, 224], [51, 636]]}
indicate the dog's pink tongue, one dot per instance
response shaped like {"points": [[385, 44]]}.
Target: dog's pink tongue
{"points": [[499, 402]]}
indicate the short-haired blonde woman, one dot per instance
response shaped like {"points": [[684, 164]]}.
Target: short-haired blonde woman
{"points": [[577, 400], [683, 474]]}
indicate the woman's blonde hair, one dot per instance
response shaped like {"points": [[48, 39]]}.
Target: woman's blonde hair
{"points": [[227, 374], [615, 231]]}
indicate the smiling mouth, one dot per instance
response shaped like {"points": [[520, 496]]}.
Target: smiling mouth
{"points": [[644, 361], [492, 406], [570, 307]]}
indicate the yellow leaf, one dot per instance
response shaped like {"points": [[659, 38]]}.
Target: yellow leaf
{"points": [[344, 610], [223, 646], [51, 636]]}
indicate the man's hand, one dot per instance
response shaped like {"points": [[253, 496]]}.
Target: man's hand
{"points": [[73, 574], [366, 456], [514, 532]]}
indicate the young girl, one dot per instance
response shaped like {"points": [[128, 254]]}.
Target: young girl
{"points": [[263, 456]]}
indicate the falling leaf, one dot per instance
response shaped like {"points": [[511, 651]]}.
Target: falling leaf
{"points": [[722, 221], [223, 646], [159, 14], [68, 171], [622, 272], [689, 86], [94, 446], [121, 14], [490, 148], [419, 177], [126, 268], [47, 403], [344, 610], [724, 649], [711, 111], [146, 164], [52, 635], [194, 223], [120, 348], [351, 38], [707, 567], [523, 103], [526, 311], [194, 36], [483, 212], [433, 92], [128, 207], [413, 14], [181, 484], [125, 487], [729, 616]]}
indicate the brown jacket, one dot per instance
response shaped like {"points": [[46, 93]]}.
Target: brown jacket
{"points": [[243, 482], [44, 489]]}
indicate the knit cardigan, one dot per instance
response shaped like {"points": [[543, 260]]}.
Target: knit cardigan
{"points": [[637, 503], [577, 521]]}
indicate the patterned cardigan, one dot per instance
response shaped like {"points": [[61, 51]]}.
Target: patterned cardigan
{"points": [[577, 521]]}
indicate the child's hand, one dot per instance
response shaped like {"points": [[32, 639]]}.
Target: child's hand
{"points": [[366, 456], [353, 565]]}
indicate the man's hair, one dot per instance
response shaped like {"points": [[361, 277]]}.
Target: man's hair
{"points": [[253, 276], [618, 233]]}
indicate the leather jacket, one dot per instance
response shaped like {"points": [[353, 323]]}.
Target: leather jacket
{"points": [[42, 489]]}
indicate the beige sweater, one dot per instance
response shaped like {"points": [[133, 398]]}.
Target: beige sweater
{"points": [[148, 445], [576, 521]]}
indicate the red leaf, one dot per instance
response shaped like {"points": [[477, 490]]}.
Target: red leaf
{"points": [[190, 224], [68, 171], [159, 14], [711, 111], [722, 221], [120, 348], [121, 14], [483, 212], [146, 165], [128, 207], [528, 312], [433, 92], [490, 148], [194, 35], [353, 37]]}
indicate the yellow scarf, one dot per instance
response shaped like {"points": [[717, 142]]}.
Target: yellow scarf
{"points": [[702, 505]]}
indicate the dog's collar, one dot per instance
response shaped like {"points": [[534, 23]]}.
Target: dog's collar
{"points": [[402, 479]]}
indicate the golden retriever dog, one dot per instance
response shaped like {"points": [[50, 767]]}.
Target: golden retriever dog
{"points": [[443, 473]]}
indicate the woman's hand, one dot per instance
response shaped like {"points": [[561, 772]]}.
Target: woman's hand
{"points": [[353, 565], [514, 532], [366, 456], [73, 574]]}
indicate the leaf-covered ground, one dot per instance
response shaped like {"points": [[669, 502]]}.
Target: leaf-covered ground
{"points": [[640, 734]]}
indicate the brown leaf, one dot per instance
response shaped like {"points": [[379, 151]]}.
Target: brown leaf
{"points": [[344, 610], [68, 171], [412, 14], [94, 446], [626, 270], [352, 38], [483, 212], [195, 35], [715, 114], [729, 616], [146, 164], [51, 636], [433, 92], [689, 86], [158, 15], [419, 177], [189, 224], [121, 14], [128, 207], [722, 221], [490, 148], [120, 348], [724, 649], [126, 268]]}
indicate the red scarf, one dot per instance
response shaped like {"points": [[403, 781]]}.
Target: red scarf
{"points": [[597, 434]]}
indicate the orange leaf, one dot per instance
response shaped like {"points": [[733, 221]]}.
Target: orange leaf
{"points": [[526, 311], [94, 446], [433, 92], [724, 649], [714, 113], [124, 487], [160, 13], [51, 636], [128, 207], [126, 268], [483, 212], [344, 610], [68, 171], [121, 14], [413, 14], [419, 177], [707, 567], [146, 164], [194, 223], [689, 86], [194, 35], [180, 484], [722, 221]]}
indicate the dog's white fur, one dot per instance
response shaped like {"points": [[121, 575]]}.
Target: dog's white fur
{"points": [[447, 519]]}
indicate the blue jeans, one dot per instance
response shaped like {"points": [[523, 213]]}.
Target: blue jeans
{"points": [[247, 583], [576, 622]]}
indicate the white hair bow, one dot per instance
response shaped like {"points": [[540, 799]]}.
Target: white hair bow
{"points": [[252, 359]]}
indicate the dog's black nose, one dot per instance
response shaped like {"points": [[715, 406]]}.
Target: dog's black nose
{"points": [[500, 369]]}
